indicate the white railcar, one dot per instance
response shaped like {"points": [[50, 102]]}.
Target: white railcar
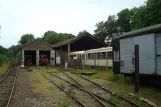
{"points": [[95, 57]]}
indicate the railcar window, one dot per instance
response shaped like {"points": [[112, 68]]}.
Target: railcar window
{"points": [[83, 56], [94, 56], [99, 55], [109, 55], [103, 55], [89, 56]]}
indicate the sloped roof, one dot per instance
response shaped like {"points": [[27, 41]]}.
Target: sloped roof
{"points": [[36, 40], [69, 41], [150, 29]]}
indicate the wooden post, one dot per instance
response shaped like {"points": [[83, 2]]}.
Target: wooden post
{"points": [[68, 54], [94, 61], [137, 68], [107, 60], [23, 57]]}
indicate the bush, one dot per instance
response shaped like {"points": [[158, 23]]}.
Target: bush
{"points": [[3, 59]]}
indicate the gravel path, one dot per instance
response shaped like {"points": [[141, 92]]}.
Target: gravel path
{"points": [[26, 96]]}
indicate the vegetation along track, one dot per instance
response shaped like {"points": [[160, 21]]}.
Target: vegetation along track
{"points": [[120, 99], [80, 93], [7, 84], [103, 102], [115, 100]]}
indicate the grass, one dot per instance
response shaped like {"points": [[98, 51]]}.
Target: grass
{"points": [[118, 84], [64, 105], [115, 99], [3, 68], [101, 73], [40, 84], [62, 85]]}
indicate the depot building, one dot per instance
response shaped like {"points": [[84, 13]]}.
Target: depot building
{"points": [[34, 52]]}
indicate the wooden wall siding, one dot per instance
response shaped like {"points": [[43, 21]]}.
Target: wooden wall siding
{"points": [[37, 45]]}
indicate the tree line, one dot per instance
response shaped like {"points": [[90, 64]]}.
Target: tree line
{"points": [[50, 37], [129, 19], [124, 21]]}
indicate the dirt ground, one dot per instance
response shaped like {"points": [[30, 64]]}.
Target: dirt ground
{"points": [[33, 90]]}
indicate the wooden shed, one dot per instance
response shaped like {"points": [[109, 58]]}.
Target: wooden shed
{"points": [[79, 43], [34, 52]]}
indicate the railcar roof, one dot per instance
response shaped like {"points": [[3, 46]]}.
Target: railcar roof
{"points": [[104, 49], [77, 52], [146, 30]]}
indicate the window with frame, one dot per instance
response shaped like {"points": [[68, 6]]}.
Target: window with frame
{"points": [[89, 56], [99, 55], [103, 55], [109, 55]]}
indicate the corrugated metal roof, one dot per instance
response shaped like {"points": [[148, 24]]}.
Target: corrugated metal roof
{"points": [[150, 29], [69, 41]]}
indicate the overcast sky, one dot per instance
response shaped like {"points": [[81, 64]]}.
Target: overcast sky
{"points": [[19, 17]]}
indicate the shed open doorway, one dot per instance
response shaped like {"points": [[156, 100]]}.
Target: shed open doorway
{"points": [[29, 57], [44, 55]]}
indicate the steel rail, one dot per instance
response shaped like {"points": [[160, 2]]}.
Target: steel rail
{"points": [[70, 95], [112, 92], [5, 75], [97, 99], [88, 91], [11, 94]]}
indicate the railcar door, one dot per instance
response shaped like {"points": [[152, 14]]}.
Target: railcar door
{"points": [[146, 53]]}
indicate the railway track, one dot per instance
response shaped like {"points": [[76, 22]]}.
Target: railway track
{"points": [[102, 97], [7, 84], [123, 99], [80, 94], [127, 102]]}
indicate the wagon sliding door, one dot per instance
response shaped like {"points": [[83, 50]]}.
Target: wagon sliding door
{"points": [[146, 53], [126, 54]]}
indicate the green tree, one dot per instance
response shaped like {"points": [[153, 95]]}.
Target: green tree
{"points": [[26, 38], [152, 12], [82, 33], [53, 37], [12, 51], [138, 19], [124, 20], [105, 31], [2, 50], [3, 59]]}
